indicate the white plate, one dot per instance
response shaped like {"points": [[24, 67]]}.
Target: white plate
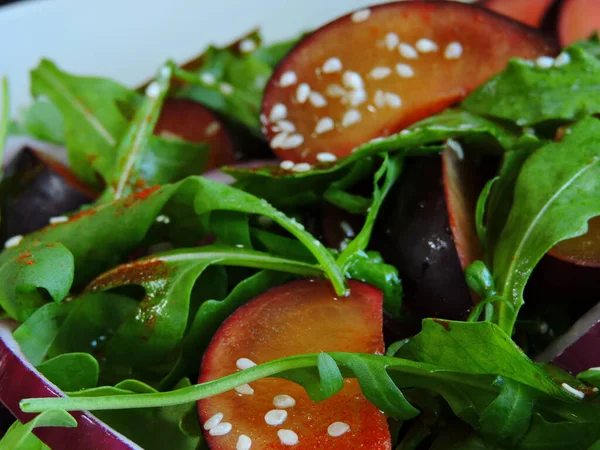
{"points": [[128, 39]]}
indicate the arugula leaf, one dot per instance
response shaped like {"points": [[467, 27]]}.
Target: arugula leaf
{"points": [[95, 246], [150, 428], [591, 45], [527, 94], [28, 271], [93, 120], [135, 140], [293, 189], [44, 121], [142, 344], [20, 436], [272, 54], [71, 371], [556, 193]]}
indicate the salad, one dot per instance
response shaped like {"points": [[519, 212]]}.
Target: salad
{"points": [[382, 234]]}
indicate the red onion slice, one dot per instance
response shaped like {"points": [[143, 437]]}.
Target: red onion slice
{"points": [[577, 349], [19, 380]]}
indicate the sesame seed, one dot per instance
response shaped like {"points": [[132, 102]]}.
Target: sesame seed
{"points": [[288, 78], [351, 117], [153, 90], [287, 126], [245, 389], [212, 129], [283, 400], [301, 167], [407, 51], [278, 112], [404, 70], [336, 429], [361, 16], [293, 141], [285, 165], [352, 80], [279, 139], [595, 369], [247, 46], [324, 125], [562, 59], [391, 41], [226, 88], [208, 78], [317, 100], [453, 50], [213, 421], [302, 92], [571, 390], [332, 65], [163, 219], [379, 99], [544, 62], [405, 132], [220, 430], [357, 97], [276, 417], [426, 46], [379, 73], [392, 100], [326, 157], [335, 90], [13, 241], [287, 437], [243, 443], [59, 219], [456, 147]]}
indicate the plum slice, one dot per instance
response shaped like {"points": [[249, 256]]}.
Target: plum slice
{"points": [[375, 71], [193, 122], [529, 12], [299, 317], [578, 20], [36, 189]]}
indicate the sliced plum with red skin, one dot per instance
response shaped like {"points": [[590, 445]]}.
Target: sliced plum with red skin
{"points": [[578, 19], [190, 121], [583, 250], [296, 318], [529, 12], [375, 71], [414, 233], [34, 190]]}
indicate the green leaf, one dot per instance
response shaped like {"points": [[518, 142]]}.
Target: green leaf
{"points": [[591, 45], [44, 121], [39, 266], [144, 341], [93, 121], [480, 279], [84, 324], [91, 238], [389, 172], [332, 381], [134, 142], [20, 436], [272, 54], [150, 428], [508, 418], [170, 160], [294, 189], [71, 371], [591, 376], [550, 435], [527, 94], [556, 193], [477, 348]]}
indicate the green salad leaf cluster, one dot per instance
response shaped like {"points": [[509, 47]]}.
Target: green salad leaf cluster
{"points": [[118, 302]]}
